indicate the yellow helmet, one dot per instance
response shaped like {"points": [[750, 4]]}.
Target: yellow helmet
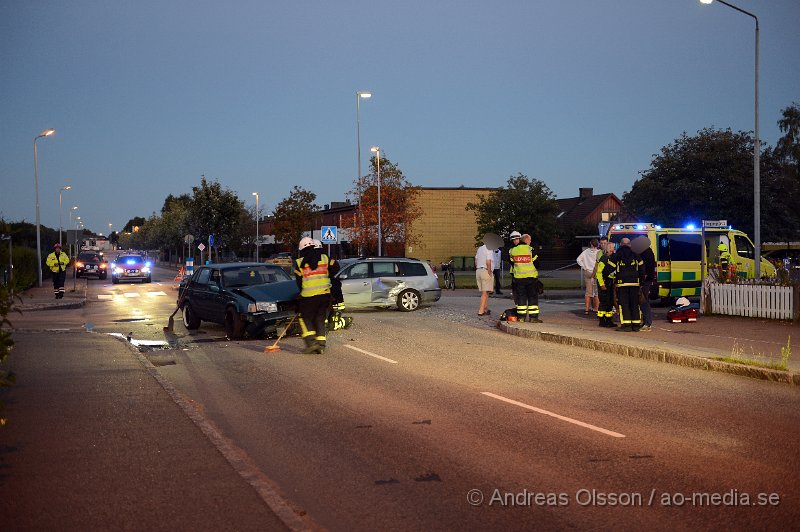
{"points": [[722, 247]]}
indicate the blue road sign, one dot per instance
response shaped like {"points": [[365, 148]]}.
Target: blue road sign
{"points": [[210, 240], [329, 234]]}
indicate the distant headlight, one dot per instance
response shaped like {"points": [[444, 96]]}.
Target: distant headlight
{"points": [[262, 306], [117, 270], [79, 264], [146, 269], [103, 266]]}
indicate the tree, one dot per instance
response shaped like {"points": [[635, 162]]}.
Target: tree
{"points": [[788, 148], [710, 177], [525, 205], [293, 216], [398, 207], [217, 212]]}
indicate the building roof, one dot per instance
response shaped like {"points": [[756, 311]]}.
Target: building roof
{"points": [[577, 210]]}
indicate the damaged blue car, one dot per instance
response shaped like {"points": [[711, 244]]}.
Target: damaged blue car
{"points": [[247, 298]]}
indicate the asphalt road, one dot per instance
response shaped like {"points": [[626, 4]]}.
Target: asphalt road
{"points": [[436, 420]]}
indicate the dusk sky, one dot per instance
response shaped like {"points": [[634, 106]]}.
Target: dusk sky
{"points": [[147, 96]]}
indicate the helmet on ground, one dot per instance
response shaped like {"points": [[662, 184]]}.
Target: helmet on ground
{"points": [[722, 247], [515, 234], [317, 244], [305, 242]]}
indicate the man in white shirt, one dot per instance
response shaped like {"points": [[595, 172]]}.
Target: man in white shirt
{"points": [[587, 261], [484, 277]]}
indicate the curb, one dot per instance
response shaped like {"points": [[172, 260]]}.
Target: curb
{"points": [[657, 355], [55, 304]]}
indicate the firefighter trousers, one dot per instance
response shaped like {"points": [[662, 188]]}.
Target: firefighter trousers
{"points": [[312, 313], [630, 313]]}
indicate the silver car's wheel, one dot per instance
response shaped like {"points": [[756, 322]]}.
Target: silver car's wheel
{"points": [[408, 300]]}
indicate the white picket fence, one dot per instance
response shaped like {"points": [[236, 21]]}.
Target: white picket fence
{"points": [[755, 301]]}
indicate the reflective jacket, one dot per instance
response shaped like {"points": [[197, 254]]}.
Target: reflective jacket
{"points": [[629, 269], [317, 281], [522, 258], [605, 271], [58, 263]]}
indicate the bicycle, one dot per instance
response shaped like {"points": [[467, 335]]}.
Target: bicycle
{"points": [[449, 275]]}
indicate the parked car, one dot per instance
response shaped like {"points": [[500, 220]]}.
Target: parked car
{"points": [[91, 263], [131, 267], [246, 297], [387, 282], [284, 258]]}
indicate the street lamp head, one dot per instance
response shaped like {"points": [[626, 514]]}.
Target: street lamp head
{"points": [[46, 133], [66, 187], [74, 207], [362, 94], [375, 149], [706, 1], [255, 194]]}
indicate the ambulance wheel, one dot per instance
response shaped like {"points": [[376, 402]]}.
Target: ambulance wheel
{"points": [[667, 301], [408, 300]]}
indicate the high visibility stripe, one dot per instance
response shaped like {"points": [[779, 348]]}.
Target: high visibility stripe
{"points": [[317, 281], [522, 266]]}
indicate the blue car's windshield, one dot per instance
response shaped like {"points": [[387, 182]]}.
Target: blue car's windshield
{"points": [[253, 275]]}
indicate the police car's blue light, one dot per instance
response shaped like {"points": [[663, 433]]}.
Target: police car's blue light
{"points": [[640, 227], [130, 261], [148, 263], [690, 227]]}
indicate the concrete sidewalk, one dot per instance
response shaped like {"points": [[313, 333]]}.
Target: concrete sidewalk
{"points": [[695, 344], [96, 441]]}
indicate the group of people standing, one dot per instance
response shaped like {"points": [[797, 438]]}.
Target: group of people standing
{"points": [[524, 277], [619, 279]]}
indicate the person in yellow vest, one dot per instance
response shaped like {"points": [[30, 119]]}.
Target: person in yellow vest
{"points": [[724, 262], [524, 278], [336, 321], [58, 261], [313, 271]]}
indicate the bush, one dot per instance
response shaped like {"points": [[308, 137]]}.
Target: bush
{"points": [[7, 378], [25, 259]]}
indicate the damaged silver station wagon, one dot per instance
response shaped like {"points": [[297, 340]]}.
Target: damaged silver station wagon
{"points": [[387, 282]]}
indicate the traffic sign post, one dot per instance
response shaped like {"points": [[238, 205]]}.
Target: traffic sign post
{"points": [[703, 253], [329, 236]]}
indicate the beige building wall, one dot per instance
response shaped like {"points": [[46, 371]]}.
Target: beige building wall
{"points": [[445, 228]]}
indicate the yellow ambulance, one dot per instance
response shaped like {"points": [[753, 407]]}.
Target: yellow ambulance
{"points": [[677, 252]]}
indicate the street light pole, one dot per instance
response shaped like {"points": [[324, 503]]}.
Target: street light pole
{"points": [[359, 95], [45, 133], [377, 151], [256, 195], [756, 151], [61, 212]]}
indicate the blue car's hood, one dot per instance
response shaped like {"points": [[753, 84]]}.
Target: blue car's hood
{"points": [[280, 291]]}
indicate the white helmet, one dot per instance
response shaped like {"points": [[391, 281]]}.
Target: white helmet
{"points": [[515, 234], [305, 242], [317, 244]]}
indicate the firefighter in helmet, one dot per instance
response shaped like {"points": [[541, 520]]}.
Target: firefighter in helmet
{"points": [[313, 272], [335, 320]]}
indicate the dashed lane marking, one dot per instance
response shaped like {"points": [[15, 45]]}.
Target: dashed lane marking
{"points": [[557, 416], [132, 294], [105, 297], [154, 294], [389, 360]]}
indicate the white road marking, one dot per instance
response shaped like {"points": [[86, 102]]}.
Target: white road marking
{"points": [[131, 294], [551, 414], [105, 297], [371, 354], [153, 294]]}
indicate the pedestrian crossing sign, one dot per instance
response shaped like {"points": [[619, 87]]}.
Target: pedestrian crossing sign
{"points": [[329, 234]]}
